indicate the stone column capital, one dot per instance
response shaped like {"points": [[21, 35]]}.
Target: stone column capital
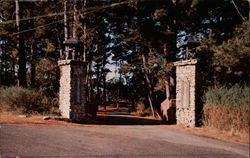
{"points": [[186, 62]]}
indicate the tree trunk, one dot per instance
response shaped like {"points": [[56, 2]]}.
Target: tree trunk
{"points": [[151, 105], [104, 61], [65, 22], [1, 64], [1, 73], [166, 57], [87, 87], [118, 96], [84, 32], [74, 20], [249, 11], [91, 89], [33, 68], [89, 84], [149, 87], [104, 79], [104, 91], [167, 85], [98, 83], [22, 80], [13, 73]]}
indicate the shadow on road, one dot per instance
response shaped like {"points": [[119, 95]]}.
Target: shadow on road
{"points": [[125, 120], [122, 117]]}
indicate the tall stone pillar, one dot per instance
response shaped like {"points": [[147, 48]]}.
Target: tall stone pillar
{"points": [[187, 101], [72, 97]]}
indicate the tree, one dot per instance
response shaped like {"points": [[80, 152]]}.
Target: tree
{"points": [[33, 42], [229, 59], [142, 38]]}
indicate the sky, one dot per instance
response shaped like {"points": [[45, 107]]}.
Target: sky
{"points": [[113, 68]]}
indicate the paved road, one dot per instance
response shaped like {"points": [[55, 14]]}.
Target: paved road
{"points": [[122, 136], [111, 141]]}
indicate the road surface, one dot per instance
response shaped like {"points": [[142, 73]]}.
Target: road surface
{"points": [[114, 140]]}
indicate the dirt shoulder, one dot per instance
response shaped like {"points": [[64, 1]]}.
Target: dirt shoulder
{"points": [[214, 133], [37, 120]]}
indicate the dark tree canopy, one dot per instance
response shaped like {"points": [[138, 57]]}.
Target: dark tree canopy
{"points": [[140, 37]]}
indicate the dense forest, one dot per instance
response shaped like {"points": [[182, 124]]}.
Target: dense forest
{"points": [[142, 38]]}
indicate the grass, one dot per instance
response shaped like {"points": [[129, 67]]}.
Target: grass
{"points": [[227, 108]]}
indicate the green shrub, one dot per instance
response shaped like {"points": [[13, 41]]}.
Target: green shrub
{"points": [[22, 100], [227, 108]]}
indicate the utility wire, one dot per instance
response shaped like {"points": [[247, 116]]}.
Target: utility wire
{"points": [[61, 13], [41, 26], [16, 33], [85, 11], [237, 9], [31, 18]]}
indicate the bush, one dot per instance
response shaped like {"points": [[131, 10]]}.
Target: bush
{"points": [[22, 100], [227, 108], [47, 77], [140, 107]]}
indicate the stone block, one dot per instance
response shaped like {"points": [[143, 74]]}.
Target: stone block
{"points": [[72, 97], [186, 89]]}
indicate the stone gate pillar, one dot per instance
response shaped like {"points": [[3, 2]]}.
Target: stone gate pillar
{"points": [[187, 110], [72, 97], [72, 93]]}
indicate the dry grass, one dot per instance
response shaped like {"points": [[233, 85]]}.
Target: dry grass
{"points": [[223, 118], [227, 109], [214, 133]]}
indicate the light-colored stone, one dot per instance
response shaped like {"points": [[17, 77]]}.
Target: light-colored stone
{"points": [[186, 92], [47, 118], [22, 116], [72, 97]]}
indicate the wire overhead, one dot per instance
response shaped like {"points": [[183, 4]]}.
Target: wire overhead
{"points": [[85, 11], [69, 12], [238, 11]]}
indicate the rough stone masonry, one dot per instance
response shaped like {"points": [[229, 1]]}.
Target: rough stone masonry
{"points": [[187, 112], [72, 97]]}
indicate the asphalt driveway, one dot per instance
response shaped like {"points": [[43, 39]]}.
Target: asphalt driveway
{"points": [[36, 140]]}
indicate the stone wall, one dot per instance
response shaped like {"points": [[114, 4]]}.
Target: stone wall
{"points": [[72, 97], [186, 89]]}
